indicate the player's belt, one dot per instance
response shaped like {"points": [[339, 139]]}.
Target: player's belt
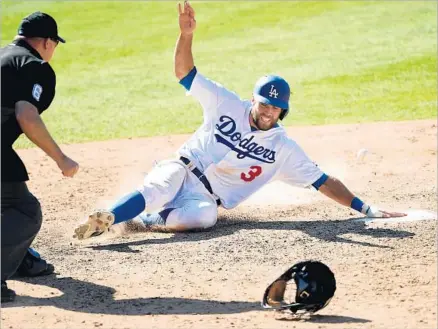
{"points": [[200, 176]]}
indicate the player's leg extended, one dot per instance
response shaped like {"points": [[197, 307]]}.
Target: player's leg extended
{"points": [[193, 214], [159, 188]]}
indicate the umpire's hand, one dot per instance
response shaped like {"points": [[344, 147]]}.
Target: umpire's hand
{"points": [[68, 166]]}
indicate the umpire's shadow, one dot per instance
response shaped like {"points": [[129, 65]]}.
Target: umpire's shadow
{"points": [[325, 230], [88, 297]]}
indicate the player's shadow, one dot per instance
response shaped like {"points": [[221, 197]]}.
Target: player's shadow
{"points": [[88, 297], [324, 230]]}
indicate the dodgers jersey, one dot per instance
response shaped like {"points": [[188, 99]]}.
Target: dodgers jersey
{"points": [[237, 160]]}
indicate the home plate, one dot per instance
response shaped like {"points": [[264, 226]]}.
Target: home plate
{"points": [[412, 215]]}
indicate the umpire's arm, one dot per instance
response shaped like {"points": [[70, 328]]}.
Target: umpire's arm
{"points": [[34, 128]]}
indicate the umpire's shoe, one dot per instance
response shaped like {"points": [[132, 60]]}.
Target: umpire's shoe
{"points": [[97, 223], [33, 265], [8, 295]]}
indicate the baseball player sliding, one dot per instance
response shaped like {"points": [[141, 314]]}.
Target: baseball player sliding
{"points": [[239, 148]]}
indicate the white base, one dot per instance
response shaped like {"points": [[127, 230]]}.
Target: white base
{"points": [[412, 215]]}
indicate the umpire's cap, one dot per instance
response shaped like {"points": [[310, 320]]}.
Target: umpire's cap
{"points": [[273, 90], [41, 25]]}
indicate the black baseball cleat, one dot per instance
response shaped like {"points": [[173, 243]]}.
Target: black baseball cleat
{"points": [[8, 295], [33, 265]]}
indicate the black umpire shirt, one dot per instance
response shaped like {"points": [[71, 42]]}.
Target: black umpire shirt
{"points": [[25, 76]]}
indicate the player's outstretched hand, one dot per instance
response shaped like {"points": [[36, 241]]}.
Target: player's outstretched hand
{"points": [[187, 22], [375, 213]]}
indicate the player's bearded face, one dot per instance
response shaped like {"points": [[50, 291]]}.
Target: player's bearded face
{"points": [[264, 116]]}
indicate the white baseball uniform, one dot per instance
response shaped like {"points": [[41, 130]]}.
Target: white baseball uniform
{"points": [[236, 159]]}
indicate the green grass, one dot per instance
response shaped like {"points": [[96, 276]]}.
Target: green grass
{"points": [[346, 61]]}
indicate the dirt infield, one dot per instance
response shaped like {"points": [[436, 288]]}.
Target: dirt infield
{"points": [[386, 273]]}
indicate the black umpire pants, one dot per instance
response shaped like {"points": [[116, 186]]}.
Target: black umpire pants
{"points": [[20, 223]]}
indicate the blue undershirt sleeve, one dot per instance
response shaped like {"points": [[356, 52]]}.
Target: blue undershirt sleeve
{"points": [[188, 79], [320, 181]]}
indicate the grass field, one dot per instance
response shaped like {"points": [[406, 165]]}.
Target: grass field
{"points": [[346, 61]]}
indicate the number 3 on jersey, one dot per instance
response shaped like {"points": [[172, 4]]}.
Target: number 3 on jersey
{"points": [[252, 174]]}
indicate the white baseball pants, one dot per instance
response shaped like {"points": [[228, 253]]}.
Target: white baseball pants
{"points": [[171, 185]]}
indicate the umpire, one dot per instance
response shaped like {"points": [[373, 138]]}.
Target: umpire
{"points": [[27, 89]]}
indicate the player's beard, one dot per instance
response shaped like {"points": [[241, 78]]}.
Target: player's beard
{"points": [[260, 123]]}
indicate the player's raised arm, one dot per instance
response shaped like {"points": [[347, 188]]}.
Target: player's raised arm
{"points": [[183, 57], [207, 92]]}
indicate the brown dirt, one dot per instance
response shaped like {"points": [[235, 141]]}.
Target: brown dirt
{"points": [[386, 273]]}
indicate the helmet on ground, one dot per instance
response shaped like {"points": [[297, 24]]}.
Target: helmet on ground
{"points": [[273, 90], [310, 284]]}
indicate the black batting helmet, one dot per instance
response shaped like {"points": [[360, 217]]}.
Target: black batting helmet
{"points": [[315, 287]]}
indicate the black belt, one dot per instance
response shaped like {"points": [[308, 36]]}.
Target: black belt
{"points": [[200, 176]]}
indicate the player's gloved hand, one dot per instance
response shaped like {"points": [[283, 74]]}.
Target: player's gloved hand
{"points": [[376, 213]]}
